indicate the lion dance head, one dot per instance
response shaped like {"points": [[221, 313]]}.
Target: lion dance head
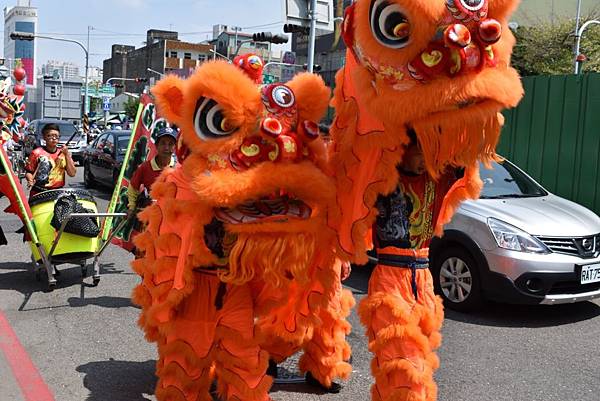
{"points": [[255, 162], [438, 67]]}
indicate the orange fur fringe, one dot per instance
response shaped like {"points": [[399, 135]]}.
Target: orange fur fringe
{"points": [[276, 257]]}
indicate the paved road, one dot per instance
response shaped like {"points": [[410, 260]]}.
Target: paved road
{"points": [[85, 343]]}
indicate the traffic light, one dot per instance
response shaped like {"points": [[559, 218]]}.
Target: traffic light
{"points": [[140, 80], [269, 37], [291, 28], [316, 67], [22, 36], [119, 86], [53, 90]]}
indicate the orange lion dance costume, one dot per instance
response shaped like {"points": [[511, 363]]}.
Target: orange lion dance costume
{"points": [[239, 262], [438, 69]]}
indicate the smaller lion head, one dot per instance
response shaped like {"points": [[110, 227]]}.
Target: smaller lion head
{"points": [[256, 158]]}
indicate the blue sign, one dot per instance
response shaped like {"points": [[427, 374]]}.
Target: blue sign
{"points": [[105, 103]]}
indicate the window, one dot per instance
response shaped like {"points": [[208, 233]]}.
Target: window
{"points": [[110, 143], [173, 54], [201, 57], [66, 131], [504, 180], [100, 142], [187, 56], [123, 143]]}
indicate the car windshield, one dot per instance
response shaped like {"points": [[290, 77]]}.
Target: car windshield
{"points": [[504, 180], [123, 142], [66, 130]]}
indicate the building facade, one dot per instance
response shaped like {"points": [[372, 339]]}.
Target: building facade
{"points": [[65, 69], [117, 103], [59, 99], [164, 53], [227, 39], [531, 12], [21, 18]]}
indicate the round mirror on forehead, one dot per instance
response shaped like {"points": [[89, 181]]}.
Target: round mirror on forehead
{"points": [[283, 96]]}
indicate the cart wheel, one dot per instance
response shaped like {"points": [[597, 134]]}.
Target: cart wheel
{"points": [[51, 286], [96, 281]]}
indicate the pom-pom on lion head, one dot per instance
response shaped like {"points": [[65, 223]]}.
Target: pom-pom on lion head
{"points": [[256, 160], [252, 65]]}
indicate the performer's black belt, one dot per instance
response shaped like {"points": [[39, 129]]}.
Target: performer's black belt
{"points": [[405, 262]]}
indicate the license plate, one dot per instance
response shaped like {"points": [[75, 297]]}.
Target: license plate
{"points": [[590, 274]]}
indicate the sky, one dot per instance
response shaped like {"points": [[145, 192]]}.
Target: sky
{"points": [[126, 22]]}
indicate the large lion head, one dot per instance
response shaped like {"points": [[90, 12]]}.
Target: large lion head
{"points": [[440, 67]]}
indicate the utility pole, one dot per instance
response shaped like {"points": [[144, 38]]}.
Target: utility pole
{"points": [[270, 51], [312, 35], [236, 30], [578, 43], [60, 96], [86, 106], [575, 49]]}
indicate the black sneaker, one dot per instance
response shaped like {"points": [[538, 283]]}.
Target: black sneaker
{"points": [[334, 388]]}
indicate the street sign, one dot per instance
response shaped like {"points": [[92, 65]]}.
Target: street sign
{"points": [[269, 79], [289, 57], [94, 91], [296, 12], [105, 103]]}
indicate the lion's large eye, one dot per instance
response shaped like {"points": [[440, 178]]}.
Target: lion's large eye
{"points": [[472, 5], [389, 24], [209, 120]]}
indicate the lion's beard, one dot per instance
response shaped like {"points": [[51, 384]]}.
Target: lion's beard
{"points": [[461, 138], [275, 258]]}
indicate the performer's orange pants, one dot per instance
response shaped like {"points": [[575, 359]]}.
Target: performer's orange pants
{"points": [[403, 333], [313, 319], [212, 337]]}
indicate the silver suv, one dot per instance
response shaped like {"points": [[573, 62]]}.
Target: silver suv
{"points": [[517, 244]]}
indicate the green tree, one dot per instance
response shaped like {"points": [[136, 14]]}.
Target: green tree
{"points": [[131, 107], [95, 103], [547, 47]]}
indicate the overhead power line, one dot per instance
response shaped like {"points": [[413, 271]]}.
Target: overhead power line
{"points": [[105, 33]]}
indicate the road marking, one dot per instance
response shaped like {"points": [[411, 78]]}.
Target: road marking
{"points": [[26, 374]]}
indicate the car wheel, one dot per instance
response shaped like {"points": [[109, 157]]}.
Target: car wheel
{"points": [[88, 178], [456, 279]]}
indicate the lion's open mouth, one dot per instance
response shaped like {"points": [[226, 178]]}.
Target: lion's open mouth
{"points": [[273, 208], [461, 105]]}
